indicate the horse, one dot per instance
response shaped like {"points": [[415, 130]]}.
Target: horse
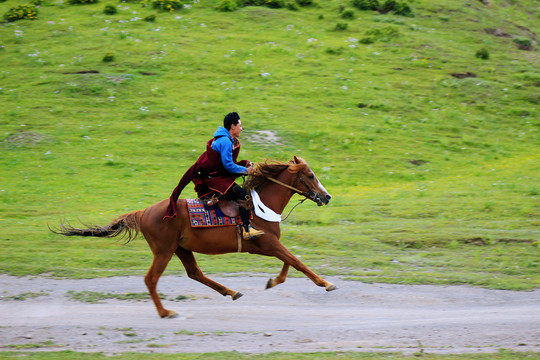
{"points": [[275, 183]]}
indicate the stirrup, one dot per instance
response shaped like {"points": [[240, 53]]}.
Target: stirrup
{"points": [[251, 233]]}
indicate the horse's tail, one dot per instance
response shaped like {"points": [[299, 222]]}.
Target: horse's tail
{"points": [[127, 226]]}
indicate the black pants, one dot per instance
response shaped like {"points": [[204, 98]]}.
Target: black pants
{"points": [[236, 192]]}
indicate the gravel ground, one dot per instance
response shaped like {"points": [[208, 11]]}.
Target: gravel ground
{"points": [[296, 316]]}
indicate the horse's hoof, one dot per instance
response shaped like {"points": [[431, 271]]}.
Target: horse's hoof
{"points": [[237, 296], [331, 287], [269, 284], [169, 314]]}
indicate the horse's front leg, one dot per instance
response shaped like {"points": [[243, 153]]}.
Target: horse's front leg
{"points": [[281, 252], [280, 279], [195, 273]]}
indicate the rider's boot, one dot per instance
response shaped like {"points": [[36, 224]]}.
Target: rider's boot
{"points": [[248, 231]]}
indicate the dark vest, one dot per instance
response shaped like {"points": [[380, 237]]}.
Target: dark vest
{"points": [[208, 174], [211, 175]]}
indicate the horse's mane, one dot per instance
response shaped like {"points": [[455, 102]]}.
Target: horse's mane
{"points": [[271, 168]]}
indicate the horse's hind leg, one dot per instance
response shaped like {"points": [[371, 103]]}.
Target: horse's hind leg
{"points": [[158, 266], [280, 278], [195, 273]]}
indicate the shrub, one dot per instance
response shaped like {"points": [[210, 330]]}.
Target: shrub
{"points": [[394, 6], [274, 4], [227, 5], [150, 18], [167, 5], [110, 10], [305, 2], [482, 54], [251, 2], [383, 34], [347, 14], [291, 5], [387, 6], [367, 40], [366, 4], [81, 2], [523, 43], [403, 9], [341, 26], [21, 12], [336, 51], [108, 57]]}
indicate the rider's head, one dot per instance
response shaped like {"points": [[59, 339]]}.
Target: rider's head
{"points": [[231, 119]]}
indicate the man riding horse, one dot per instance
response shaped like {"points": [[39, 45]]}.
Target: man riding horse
{"points": [[216, 170]]}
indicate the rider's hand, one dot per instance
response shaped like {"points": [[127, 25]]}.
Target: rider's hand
{"points": [[250, 169]]}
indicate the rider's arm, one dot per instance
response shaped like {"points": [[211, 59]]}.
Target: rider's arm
{"points": [[224, 146]]}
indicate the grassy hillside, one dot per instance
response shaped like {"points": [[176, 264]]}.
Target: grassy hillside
{"points": [[430, 150]]}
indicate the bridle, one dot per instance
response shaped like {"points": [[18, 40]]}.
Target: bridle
{"points": [[294, 189], [310, 194]]}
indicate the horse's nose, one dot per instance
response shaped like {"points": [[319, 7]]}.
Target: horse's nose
{"points": [[328, 197]]}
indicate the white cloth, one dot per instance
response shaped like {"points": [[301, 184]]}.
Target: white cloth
{"points": [[263, 211]]}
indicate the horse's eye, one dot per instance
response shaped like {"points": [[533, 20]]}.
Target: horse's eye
{"points": [[311, 176]]}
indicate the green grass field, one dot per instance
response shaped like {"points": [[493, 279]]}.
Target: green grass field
{"points": [[435, 178]]}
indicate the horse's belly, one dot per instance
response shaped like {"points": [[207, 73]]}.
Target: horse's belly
{"points": [[211, 241]]}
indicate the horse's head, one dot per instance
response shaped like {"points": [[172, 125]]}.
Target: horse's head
{"points": [[299, 178], [309, 184]]}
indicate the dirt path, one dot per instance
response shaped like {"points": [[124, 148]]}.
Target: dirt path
{"points": [[293, 317]]}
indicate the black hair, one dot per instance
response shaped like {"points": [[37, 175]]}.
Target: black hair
{"points": [[230, 119]]}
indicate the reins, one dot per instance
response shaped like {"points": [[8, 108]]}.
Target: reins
{"points": [[299, 202]]}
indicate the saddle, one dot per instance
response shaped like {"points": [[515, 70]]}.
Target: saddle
{"points": [[229, 208], [208, 213]]}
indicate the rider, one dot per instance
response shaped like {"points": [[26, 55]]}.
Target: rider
{"points": [[216, 171]]}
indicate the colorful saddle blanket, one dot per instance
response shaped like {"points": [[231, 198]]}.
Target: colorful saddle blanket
{"points": [[202, 215]]}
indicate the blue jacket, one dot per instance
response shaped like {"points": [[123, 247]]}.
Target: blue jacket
{"points": [[223, 144]]}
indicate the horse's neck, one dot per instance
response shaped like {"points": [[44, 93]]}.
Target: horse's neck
{"points": [[276, 196]]}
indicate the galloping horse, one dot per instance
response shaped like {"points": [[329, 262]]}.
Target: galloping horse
{"points": [[275, 183]]}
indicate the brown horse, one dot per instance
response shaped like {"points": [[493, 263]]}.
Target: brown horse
{"points": [[275, 182]]}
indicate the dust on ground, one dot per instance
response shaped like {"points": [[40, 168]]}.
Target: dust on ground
{"points": [[296, 316]]}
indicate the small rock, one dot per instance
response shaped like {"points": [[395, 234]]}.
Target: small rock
{"points": [[267, 334]]}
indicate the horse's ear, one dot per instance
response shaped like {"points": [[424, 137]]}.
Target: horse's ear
{"points": [[298, 160]]}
